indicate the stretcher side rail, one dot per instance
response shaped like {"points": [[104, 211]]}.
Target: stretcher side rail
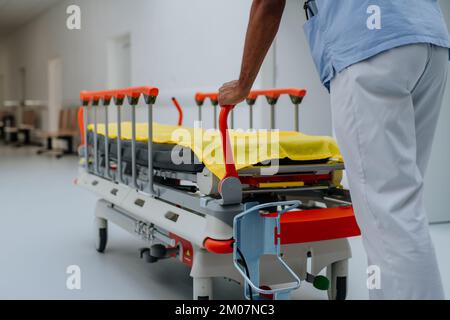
{"points": [[272, 95], [230, 187], [94, 99]]}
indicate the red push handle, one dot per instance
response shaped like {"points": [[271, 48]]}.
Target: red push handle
{"points": [[134, 92], [80, 118], [230, 168]]}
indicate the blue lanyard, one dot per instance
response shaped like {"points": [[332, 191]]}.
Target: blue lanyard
{"points": [[310, 9]]}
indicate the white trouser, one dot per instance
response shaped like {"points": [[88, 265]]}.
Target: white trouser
{"points": [[385, 112]]}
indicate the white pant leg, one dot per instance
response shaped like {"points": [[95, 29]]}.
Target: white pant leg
{"points": [[427, 101], [374, 121]]}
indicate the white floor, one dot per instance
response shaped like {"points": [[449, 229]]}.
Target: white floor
{"points": [[46, 225]]}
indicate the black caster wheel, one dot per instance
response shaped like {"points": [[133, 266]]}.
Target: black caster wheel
{"points": [[338, 283], [145, 254], [203, 298], [102, 239], [341, 288]]}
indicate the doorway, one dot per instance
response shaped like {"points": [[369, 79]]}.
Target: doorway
{"points": [[54, 94], [2, 90], [119, 62]]}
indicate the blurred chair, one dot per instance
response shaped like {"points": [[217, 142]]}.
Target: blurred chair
{"points": [[6, 120], [67, 131], [25, 128]]}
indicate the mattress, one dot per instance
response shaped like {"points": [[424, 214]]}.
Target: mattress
{"points": [[162, 154], [290, 147]]}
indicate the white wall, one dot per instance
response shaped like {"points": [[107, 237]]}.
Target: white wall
{"points": [[295, 68], [179, 46]]}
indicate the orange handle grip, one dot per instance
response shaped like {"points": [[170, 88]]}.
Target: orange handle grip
{"points": [[200, 98], [276, 93], [296, 95], [134, 92]]}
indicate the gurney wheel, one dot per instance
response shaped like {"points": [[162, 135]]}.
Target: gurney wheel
{"points": [[203, 288], [101, 229], [102, 240], [337, 274]]}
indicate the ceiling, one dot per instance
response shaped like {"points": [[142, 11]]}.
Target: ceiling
{"points": [[15, 13]]}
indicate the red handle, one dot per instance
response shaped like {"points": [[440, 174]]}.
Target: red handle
{"points": [[134, 92], [230, 168], [180, 111], [81, 124], [276, 93], [200, 98]]}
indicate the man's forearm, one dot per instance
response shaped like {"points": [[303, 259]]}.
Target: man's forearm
{"points": [[265, 17]]}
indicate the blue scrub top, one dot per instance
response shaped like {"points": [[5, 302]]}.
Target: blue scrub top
{"points": [[344, 32]]}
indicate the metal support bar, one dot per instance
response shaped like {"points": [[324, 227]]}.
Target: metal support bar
{"points": [[215, 116], [297, 124], [232, 119], [119, 144], [107, 169], [250, 110], [199, 113], [272, 116], [150, 149], [133, 147], [96, 165], [86, 147]]}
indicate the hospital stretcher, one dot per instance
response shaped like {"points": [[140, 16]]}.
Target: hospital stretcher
{"points": [[235, 220]]}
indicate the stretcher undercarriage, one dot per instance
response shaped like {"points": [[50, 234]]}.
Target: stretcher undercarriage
{"points": [[256, 228]]}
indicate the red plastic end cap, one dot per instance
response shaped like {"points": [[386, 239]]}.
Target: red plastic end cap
{"points": [[133, 92], [200, 97], [297, 92], [150, 91], [136, 92], [119, 93], [108, 94], [218, 246], [85, 96]]}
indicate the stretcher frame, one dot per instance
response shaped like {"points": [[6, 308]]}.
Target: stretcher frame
{"points": [[200, 226]]}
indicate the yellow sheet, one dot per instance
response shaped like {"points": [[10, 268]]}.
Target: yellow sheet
{"points": [[249, 148]]}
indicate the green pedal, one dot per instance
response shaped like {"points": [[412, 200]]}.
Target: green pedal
{"points": [[321, 283]]}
